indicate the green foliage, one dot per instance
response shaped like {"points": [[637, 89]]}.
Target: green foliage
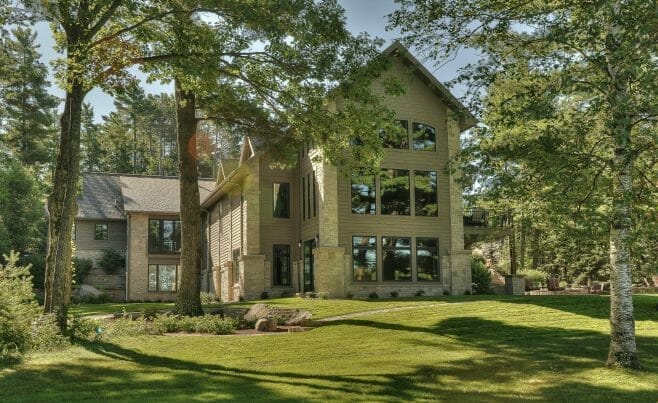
{"points": [[373, 295], [101, 298], [18, 308], [83, 329], [394, 294], [37, 264], [208, 298], [81, 268], [209, 324], [46, 335], [535, 277], [481, 277], [419, 293], [112, 261]]}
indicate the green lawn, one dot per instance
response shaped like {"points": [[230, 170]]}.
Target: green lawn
{"points": [[461, 348]]}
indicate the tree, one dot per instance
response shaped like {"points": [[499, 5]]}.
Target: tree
{"points": [[266, 73], [577, 76], [91, 148], [27, 121]]}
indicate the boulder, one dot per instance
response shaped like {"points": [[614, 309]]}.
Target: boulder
{"points": [[298, 318], [256, 312], [89, 290], [265, 325]]}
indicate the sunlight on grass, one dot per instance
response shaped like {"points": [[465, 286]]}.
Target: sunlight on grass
{"points": [[460, 348]]}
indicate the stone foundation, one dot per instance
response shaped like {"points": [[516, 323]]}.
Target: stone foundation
{"points": [[328, 276]]}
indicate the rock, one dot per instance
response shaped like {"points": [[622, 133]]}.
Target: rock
{"points": [[265, 325], [298, 318], [89, 290], [256, 312]]}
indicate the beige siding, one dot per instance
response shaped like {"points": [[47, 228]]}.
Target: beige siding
{"points": [[88, 247], [213, 236]]}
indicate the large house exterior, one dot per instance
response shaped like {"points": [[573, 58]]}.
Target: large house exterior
{"points": [[310, 228]]}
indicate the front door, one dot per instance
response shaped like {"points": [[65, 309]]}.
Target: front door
{"points": [[308, 266]]}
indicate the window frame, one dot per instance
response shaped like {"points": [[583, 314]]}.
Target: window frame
{"points": [[413, 136], [372, 206], [394, 248], [435, 251], [157, 277], [104, 232], [160, 250], [366, 248], [395, 171], [436, 192], [275, 199]]}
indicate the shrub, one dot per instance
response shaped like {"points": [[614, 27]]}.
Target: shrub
{"points": [[112, 261], [81, 268], [164, 324], [349, 295], [419, 293], [83, 329], [101, 298], [212, 324], [467, 292], [149, 312], [46, 335], [18, 308], [373, 295], [208, 298], [264, 295], [37, 265], [126, 326], [323, 295], [446, 292], [209, 324], [481, 278], [536, 277], [394, 294]]}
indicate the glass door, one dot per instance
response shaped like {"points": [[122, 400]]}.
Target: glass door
{"points": [[308, 266]]}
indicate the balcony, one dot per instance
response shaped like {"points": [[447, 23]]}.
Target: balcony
{"points": [[482, 224]]}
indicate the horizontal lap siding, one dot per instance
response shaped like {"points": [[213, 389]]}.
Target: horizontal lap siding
{"points": [[213, 238], [85, 232], [225, 232]]}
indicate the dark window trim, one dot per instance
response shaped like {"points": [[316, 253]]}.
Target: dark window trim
{"points": [[377, 263], [415, 193], [157, 277], [274, 268], [412, 131], [381, 193], [274, 200], [161, 250], [105, 233], [410, 249], [438, 258]]}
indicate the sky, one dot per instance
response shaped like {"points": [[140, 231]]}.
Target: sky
{"points": [[362, 16]]}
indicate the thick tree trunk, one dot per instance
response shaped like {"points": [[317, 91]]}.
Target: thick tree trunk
{"points": [[188, 300], [623, 351], [62, 208]]}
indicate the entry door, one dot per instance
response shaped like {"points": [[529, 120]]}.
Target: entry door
{"points": [[308, 266]]}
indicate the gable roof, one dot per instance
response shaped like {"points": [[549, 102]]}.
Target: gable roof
{"points": [[466, 118], [110, 196], [100, 197]]}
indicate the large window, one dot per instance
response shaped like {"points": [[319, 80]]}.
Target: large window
{"points": [[164, 236], [425, 192], [394, 185], [427, 259], [100, 232], [398, 137], [424, 137], [364, 258], [363, 193], [162, 277], [396, 259], [281, 197], [281, 265]]}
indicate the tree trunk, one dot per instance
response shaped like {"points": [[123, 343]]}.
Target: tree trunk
{"points": [[188, 300], [522, 248], [623, 351], [62, 208]]}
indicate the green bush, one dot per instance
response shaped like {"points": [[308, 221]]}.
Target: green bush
{"points": [[212, 324], [83, 329], [165, 324], [208, 298], [481, 278], [37, 264], [536, 277], [112, 261], [46, 335], [18, 308], [373, 295], [81, 267], [209, 324]]}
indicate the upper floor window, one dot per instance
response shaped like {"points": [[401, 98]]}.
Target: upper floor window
{"points": [[424, 137], [394, 185], [281, 197], [363, 193], [100, 232], [425, 193], [398, 137], [164, 236]]}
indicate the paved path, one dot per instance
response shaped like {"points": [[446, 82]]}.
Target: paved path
{"points": [[376, 311]]}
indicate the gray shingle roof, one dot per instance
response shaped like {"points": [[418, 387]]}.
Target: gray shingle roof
{"points": [[100, 197], [108, 196]]}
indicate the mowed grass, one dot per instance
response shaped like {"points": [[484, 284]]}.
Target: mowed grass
{"points": [[460, 348]]}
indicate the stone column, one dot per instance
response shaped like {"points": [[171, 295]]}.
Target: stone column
{"points": [[460, 271], [251, 211], [456, 198], [252, 270], [327, 178], [226, 276], [217, 281], [515, 284], [329, 275]]}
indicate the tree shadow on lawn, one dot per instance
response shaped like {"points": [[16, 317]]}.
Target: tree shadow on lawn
{"points": [[594, 306], [518, 352]]}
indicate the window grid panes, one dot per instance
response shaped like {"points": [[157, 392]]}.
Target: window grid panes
{"points": [[427, 259], [100, 232], [281, 198], [162, 277], [424, 137], [281, 265], [396, 258], [364, 258], [364, 198], [397, 137], [395, 196], [164, 236], [425, 193]]}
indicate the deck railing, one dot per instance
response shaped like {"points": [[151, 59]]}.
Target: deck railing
{"points": [[481, 217]]}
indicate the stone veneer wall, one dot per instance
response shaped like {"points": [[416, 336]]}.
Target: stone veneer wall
{"points": [[114, 285]]}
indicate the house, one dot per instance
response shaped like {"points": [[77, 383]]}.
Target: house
{"points": [[314, 227]]}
